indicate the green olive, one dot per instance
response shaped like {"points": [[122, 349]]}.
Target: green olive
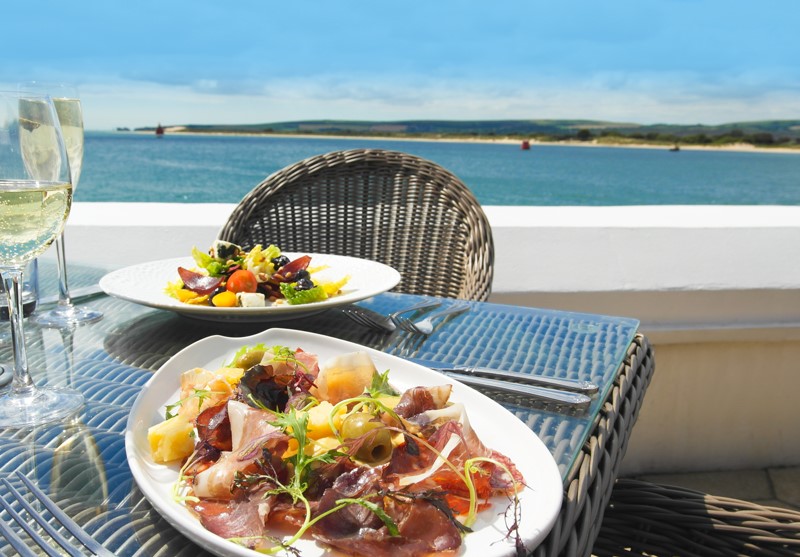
{"points": [[249, 359], [377, 445]]}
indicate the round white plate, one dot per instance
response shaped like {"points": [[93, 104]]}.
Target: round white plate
{"points": [[498, 429], [145, 283]]}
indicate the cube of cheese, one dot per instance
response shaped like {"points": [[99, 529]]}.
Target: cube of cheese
{"points": [[250, 299]]}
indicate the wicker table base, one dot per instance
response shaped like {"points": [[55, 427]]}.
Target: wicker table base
{"points": [[588, 487]]}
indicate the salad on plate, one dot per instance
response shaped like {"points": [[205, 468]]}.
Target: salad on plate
{"points": [[229, 276], [276, 447]]}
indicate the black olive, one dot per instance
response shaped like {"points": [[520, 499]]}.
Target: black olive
{"points": [[279, 261], [227, 251], [304, 284], [219, 289], [301, 274]]}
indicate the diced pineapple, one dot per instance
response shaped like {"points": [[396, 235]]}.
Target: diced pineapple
{"points": [[325, 444], [314, 447], [291, 449], [231, 374], [390, 401], [171, 440], [319, 423]]}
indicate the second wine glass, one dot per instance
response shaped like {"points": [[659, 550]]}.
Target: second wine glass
{"points": [[68, 106], [35, 199]]}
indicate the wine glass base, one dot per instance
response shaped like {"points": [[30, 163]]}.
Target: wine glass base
{"points": [[43, 406], [64, 316], [5, 377]]}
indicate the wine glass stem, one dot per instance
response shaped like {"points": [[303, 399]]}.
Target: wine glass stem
{"points": [[61, 260], [22, 379]]}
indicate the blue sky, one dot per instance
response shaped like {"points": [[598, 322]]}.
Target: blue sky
{"points": [[182, 62]]}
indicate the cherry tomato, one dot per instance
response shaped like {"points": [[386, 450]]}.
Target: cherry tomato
{"points": [[241, 281]]}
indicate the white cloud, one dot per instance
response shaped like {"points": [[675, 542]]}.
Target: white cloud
{"points": [[680, 98]]}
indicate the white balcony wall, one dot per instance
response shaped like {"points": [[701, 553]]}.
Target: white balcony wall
{"points": [[717, 290]]}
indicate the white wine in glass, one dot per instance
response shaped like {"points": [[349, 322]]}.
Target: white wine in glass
{"points": [[70, 115], [35, 199]]}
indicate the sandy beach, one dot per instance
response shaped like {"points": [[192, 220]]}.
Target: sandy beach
{"points": [[735, 147]]}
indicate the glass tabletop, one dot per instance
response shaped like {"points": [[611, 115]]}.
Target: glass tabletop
{"points": [[83, 462]]}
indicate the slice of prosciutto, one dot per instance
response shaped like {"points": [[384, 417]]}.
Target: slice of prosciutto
{"points": [[252, 438], [422, 527], [232, 519]]}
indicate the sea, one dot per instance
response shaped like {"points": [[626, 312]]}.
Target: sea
{"points": [[127, 166]]}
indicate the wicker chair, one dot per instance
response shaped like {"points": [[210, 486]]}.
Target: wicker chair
{"points": [[663, 521], [386, 206]]}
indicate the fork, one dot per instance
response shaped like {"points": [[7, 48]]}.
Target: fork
{"points": [[384, 323], [425, 326], [70, 525]]}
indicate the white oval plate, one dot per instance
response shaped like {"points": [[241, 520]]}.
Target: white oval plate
{"points": [[499, 429], [145, 283]]}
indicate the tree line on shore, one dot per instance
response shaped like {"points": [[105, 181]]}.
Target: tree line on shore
{"points": [[778, 133], [732, 137]]}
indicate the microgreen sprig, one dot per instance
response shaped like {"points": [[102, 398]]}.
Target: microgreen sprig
{"points": [[295, 424], [380, 385], [201, 394]]}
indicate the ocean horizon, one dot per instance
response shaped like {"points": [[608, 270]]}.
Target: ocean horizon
{"points": [[198, 168]]}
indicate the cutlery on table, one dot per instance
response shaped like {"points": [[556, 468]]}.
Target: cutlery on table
{"points": [[384, 323], [561, 398], [585, 387], [53, 532], [425, 326]]}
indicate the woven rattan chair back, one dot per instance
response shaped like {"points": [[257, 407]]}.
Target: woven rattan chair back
{"points": [[385, 206], [653, 520]]}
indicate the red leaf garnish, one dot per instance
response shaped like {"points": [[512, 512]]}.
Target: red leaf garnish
{"points": [[288, 271], [201, 284], [214, 427]]}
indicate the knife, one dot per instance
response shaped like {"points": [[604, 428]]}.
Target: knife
{"points": [[560, 398], [585, 387]]}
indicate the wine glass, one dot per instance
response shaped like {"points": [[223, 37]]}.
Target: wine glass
{"points": [[35, 199], [68, 107]]}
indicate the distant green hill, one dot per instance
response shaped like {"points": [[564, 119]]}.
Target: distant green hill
{"points": [[765, 133]]}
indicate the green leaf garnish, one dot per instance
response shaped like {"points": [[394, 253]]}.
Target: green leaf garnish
{"points": [[201, 258], [380, 385], [201, 394], [296, 297]]}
